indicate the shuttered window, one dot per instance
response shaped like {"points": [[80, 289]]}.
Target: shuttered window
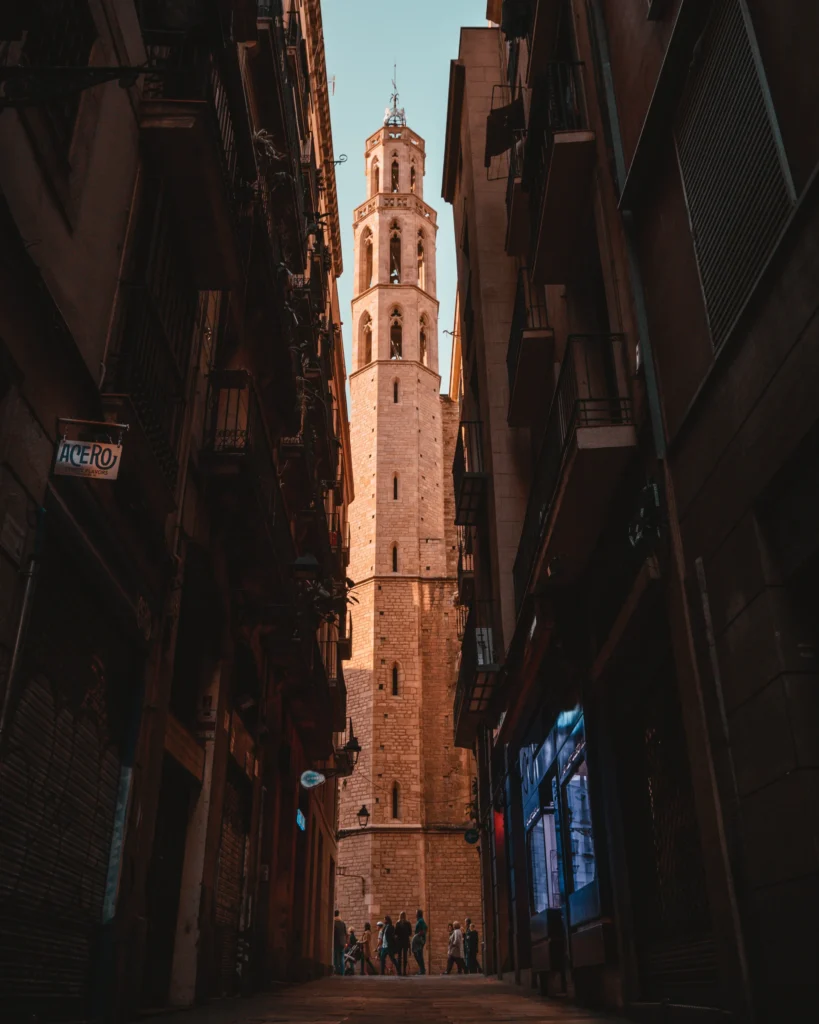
{"points": [[737, 186]]}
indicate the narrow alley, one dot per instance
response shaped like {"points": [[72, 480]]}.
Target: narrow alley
{"points": [[454, 1000]]}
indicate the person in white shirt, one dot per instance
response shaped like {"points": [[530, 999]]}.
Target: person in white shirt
{"points": [[455, 953]]}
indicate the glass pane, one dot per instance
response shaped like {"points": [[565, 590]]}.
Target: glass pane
{"points": [[543, 880], [581, 838]]}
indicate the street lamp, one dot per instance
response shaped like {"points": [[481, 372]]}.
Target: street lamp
{"points": [[363, 816], [306, 567]]}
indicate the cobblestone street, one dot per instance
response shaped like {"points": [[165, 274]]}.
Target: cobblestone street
{"points": [[389, 1000]]}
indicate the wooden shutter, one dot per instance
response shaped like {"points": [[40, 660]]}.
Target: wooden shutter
{"points": [[737, 186]]}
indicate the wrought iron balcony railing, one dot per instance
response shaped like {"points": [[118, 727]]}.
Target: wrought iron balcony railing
{"points": [[588, 394], [466, 565], [469, 473]]}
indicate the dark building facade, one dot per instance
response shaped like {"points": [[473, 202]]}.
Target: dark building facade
{"points": [[172, 639], [634, 200]]}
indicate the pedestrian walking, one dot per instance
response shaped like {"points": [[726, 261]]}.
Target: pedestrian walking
{"points": [[419, 940], [403, 934], [351, 952], [366, 944], [471, 942], [455, 953], [388, 945], [339, 942]]}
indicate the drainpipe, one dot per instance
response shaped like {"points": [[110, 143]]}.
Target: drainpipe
{"points": [[22, 623]]}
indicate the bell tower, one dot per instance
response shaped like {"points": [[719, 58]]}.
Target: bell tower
{"points": [[413, 781]]}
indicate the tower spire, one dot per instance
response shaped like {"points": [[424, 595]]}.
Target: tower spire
{"points": [[394, 115]]}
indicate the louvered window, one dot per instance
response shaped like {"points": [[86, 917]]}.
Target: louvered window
{"points": [[737, 186]]}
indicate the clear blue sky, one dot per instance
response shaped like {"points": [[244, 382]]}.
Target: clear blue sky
{"points": [[363, 39]]}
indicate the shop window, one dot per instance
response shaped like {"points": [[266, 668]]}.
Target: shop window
{"points": [[541, 842], [578, 816]]}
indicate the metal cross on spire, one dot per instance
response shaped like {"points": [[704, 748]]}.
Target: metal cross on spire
{"points": [[394, 115]]}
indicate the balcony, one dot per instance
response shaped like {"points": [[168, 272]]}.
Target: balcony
{"points": [[560, 158], [237, 455], [189, 138], [331, 661], [466, 566], [469, 475], [530, 356], [345, 637], [517, 201], [588, 441], [478, 674]]}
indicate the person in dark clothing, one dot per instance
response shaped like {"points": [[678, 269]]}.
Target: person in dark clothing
{"points": [[388, 945], [419, 940], [403, 933], [339, 942], [471, 943]]}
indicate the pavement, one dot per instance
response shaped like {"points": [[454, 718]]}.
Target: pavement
{"points": [[389, 1000]]}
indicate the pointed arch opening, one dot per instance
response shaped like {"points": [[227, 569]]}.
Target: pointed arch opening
{"points": [[412, 177], [395, 253], [366, 258], [395, 558], [395, 679], [394, 176], [396, 800], [396, 334], [395, 488], [422, 267], [375, 177], [365, 341], [395, 392], [423, 335]]}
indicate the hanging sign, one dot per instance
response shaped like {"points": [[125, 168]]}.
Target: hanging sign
{"points": [[310, 779], [99, 459]]}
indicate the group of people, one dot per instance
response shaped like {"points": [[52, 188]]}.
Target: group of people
{"points": [[392, 944]]}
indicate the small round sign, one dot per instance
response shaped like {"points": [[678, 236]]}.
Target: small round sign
{"points": [[472, 835], [310, 779]]}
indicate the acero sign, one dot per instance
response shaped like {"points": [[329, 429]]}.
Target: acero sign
{"points": [[99, 459]]}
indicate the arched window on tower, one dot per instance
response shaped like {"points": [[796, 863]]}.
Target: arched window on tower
{"points": [[395, 392], [422, 269], [395, 488], [396, 800], [394, 181], [365, 341], [412, 177], [395, 679], [422, 339], [395, 253], [366, 260], [395, 558], [375, 177], [396, 334]]}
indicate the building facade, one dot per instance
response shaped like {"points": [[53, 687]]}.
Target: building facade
{"points": [[636, 256], [411, 778], [171, 641]]}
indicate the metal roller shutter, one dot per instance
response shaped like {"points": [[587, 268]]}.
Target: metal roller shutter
{"points": [[230, 884]]}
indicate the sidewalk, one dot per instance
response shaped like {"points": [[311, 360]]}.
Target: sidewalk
{"points": [[388, 1000]]}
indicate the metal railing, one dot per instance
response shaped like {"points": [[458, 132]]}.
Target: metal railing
{"points": [[557, 106], [188, 70], [480, 658], [466, 564], [588, 394], [468, 452], [529, 314], [236, 431], [330, 659]]}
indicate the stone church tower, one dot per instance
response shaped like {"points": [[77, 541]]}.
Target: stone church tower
{"points": [[400, 681]]}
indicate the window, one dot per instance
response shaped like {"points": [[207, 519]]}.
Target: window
{"points": [[394, 183], [395, 680], [395, 558], [396, 334], [395, 253], [395, 488], [375, 177], [395, 391], [366, 258], [422, 276], [541, 848], [396, 800], [412, 178], [422, 339], [365, 344], [578, 816]]}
